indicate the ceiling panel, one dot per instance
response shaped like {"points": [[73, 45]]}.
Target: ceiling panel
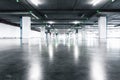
{"points": [[59, 9], [56, 4], [112, 5], [10, 5]]}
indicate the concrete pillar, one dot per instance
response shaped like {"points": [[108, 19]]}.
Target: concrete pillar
{"points": [[26, 27], [83, 34], [20, 27], [76, 31], [102, 25], [43, 33]]}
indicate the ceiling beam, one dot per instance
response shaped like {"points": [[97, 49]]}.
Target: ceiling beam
{"points": [[64, 19], [63, 24], [8, 22], [14, 13], [60, 10]]}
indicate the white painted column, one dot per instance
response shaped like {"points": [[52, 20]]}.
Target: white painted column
{"points": [[43, 35], [26, 27], [83, 34], [102, 25]]}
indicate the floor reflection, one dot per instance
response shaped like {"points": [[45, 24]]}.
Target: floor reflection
{"points": [[34, 64], [76, 51], [60, 59], [51, 51], [97, 69]]}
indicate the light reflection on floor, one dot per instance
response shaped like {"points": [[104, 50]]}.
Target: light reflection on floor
{"points": [[60, 59]]}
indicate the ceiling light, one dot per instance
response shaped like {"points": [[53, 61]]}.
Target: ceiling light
{"points": [[36, 2], [76, 22], [113, 0], [95, 2], [51, 22], [49, 26], [17, 0]]}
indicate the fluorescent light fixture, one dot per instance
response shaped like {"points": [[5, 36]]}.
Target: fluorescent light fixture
{"points": [[76, 22], [17, 0], [95, 2], [49, 26], [51, 22], [36, 2], [113, 0], [51, 52]]}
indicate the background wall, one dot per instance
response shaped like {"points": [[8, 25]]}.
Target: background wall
{"points": [[9, 31]]}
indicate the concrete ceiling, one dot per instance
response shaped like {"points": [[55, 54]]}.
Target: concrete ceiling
{"points": [[62, 12]]}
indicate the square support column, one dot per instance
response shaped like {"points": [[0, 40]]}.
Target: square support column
{"points": [[26, 27], [102, 25], [43, 30]]}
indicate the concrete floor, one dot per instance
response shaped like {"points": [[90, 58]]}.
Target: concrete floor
{"points": [[60, 59]]}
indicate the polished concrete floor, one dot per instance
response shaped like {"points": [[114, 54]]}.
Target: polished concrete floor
{"points": [[60, 59]]}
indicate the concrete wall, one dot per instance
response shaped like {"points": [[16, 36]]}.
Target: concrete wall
{"points": [[113, 32], [34, 34], [9, 31]]}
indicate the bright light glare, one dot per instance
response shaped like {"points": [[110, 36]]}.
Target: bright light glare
{"points": [[51, 53], [34, 72], [113, 44], [76, 52], [97, 70], [95, 2], [51, 22], [34, 67], [113, 0], [76, 22], [36, 2], [61, 36]]}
